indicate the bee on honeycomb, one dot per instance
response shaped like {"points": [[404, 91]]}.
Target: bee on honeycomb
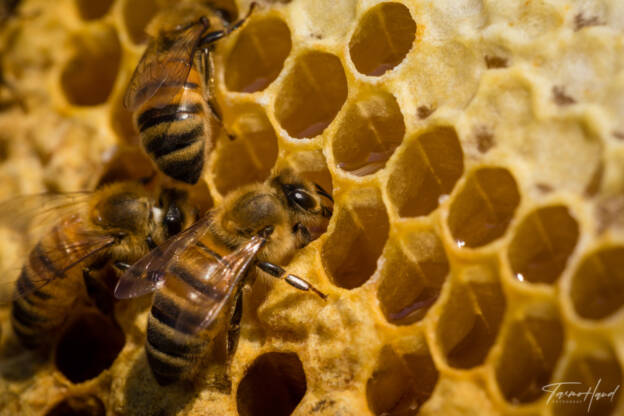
{"points": [[473, 150]]}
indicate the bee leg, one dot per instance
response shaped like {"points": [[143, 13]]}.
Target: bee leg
{"points": [[212, 37], [234, 325], [295, 281], [208, 69], [238, 24]]}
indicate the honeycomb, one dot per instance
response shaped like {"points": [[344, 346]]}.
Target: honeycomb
{"points": [[474, 149]]}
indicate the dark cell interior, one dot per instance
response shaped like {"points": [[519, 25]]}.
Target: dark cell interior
{"points": [[88, 347], [274, 385]]}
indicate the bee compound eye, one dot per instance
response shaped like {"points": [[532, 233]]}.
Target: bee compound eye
{"points": [[303, 199]]}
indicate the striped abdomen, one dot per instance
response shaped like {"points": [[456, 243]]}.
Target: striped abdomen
{"points": [[173, 128], [35, 315], [175, 339]]}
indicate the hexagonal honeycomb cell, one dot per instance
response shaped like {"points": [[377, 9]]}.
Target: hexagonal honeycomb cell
{"points": [[432, 163], [89, 76], [470, 321], [530, 350], [412, 277], [258, 55], [370, 130], [400, 384], [312, 93], [274, 385], [136, 16], [351, 250], [254, 148], [598, 283], [598, 368], [542, 244], [482, 209], [473, 151], [382, 39]]}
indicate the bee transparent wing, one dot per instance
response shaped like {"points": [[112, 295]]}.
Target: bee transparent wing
{"points": [[147, 274], [221, 278], [27, 214], [53, 259], [166, 62]]}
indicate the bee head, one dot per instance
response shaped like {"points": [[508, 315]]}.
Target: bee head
{"points": [[308, 204], [251, 210], [126, 211]]}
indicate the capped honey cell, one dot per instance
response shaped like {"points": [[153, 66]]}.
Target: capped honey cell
{"points": [[311, 95], [258, 55], [383, 38]]}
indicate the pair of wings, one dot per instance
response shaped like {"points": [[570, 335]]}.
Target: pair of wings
{"points": [[31, 217], [166, 61], [149, 273]]}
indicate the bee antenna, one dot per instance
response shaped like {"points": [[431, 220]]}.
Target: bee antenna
{"points": [[295, 281], [323, 192]]}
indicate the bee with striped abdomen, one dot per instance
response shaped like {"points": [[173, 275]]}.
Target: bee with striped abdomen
{"points": [[198, 274], [115, 225], [171, 90]]}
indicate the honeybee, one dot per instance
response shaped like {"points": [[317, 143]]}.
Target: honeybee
{"points": [[115, 225], [198, 274], [172, 91]]}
